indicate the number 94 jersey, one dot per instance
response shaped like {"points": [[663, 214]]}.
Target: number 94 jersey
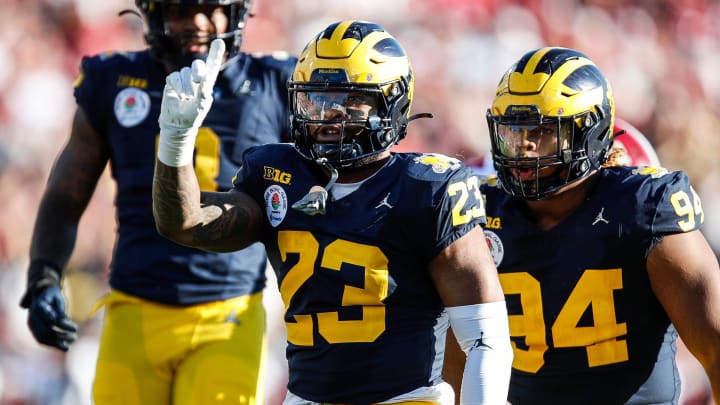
{"points": [[585, 325], [362, 313]]}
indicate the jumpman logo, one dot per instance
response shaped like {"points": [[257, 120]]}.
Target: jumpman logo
{"points": [[232, 318], [599, 217], [479, 342], [384, 202], [246, 88]]}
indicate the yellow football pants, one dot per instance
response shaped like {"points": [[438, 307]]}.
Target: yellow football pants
{"points": [[152, 354]]}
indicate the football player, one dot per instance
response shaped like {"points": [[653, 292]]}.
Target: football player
{"points": [[181, 326], [374, 251], [630, 148], [601, 267]]}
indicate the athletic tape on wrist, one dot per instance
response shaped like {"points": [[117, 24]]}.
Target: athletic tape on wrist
{"points": [[176, 147]]}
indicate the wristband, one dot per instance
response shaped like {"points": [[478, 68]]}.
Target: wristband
{"points": [[176, 147], [41, 274]]}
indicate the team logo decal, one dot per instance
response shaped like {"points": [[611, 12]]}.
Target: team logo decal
{"points": [[654, 172], [132, 106], [276, 175], [495, 245], [439, 163], [276, 204]]}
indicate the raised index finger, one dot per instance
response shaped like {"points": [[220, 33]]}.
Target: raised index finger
{"points": [[213, 62]]}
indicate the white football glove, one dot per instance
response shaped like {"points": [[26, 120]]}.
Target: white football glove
{"points": [[186, 100]]}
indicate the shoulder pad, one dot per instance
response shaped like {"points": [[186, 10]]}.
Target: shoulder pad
{"points": [[661, 201], [491, 180], [654, 172], [439, 163], [109, 59], [112, 54], [433, 166], [277, 55], [115, 56], [277, 60]]}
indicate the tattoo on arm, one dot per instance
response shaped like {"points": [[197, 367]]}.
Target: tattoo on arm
{"points": [[232, 217], [217, 221], [174, 201], [175, 198]]}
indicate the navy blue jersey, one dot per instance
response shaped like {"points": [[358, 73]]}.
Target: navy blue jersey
{"points": [[362, 313], [120, 94], [584, 322]]}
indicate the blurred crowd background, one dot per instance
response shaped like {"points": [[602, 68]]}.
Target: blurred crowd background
{"points": [[662, 57]]}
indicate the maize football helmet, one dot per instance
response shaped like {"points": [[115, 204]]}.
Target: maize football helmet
{"points": [[350, 94], [171, 48], [550, 122]]}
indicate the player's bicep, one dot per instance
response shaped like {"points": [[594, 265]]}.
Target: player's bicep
{"points": [[230, 221], [679, 208], [688, 287]]}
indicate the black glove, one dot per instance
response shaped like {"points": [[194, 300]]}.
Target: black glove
{"points": [[47, 319]]}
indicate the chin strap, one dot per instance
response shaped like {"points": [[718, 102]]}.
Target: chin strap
{"points": [[315, 200]]}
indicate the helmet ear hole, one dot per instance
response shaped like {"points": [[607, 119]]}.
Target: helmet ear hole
{"points": [[590, 119], [388, 137], [599, 142]]}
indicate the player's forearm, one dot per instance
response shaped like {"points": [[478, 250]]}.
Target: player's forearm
{"points": [[69, 189], [176, 202], [54, 234], [216, 222], [483, 333]]}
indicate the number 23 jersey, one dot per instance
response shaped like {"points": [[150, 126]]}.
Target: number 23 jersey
{"points": [[361, 309], [585, 325]]}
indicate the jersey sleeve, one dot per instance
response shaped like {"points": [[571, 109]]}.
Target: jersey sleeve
{"points": [[286, 68], [282, 64], [460, 208], [90, 91], [456, 205], [668, 203], [246, 180]]}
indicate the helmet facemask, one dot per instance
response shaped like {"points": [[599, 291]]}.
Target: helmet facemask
{"points": [[345, 124], [350, 98], [172, 48], [536, 155], [351, 58]]}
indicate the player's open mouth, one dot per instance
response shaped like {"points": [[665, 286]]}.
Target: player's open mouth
{"points": [[525, 174]]}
